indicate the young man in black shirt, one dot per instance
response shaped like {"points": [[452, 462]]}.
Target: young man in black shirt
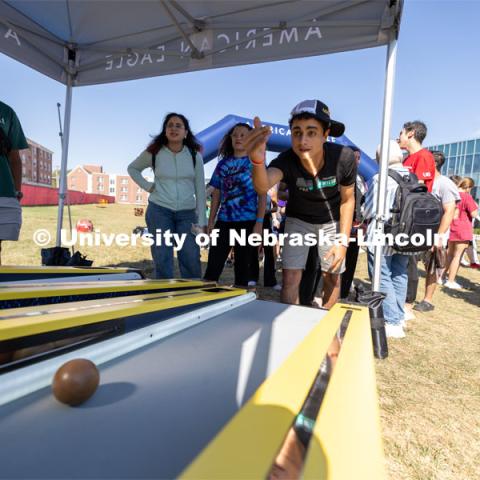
{"points": [[321, 181]]}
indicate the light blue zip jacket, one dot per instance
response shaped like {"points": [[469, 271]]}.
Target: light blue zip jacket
{"points": [[178, 186]]}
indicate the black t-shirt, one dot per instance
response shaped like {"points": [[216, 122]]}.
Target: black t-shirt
{"points": [[316, 199]]}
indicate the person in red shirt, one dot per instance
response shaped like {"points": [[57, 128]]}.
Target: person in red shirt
{"points": [[419, 161], [461, 231]]}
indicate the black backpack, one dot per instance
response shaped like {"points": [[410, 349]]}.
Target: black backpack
{"points": [[193, 153], [414, 211]]}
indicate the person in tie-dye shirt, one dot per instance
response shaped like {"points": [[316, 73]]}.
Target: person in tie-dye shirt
{"points": [[237, 205]]}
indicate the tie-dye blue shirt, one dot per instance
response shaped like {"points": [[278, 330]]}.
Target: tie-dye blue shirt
{"points": [[238, 199]]}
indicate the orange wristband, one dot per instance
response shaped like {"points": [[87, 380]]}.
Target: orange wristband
{"points": [[257, 163]]}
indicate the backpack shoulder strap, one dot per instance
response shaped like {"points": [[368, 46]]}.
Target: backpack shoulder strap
{"points": [[408, 180], [154, 159], [400, 179]]}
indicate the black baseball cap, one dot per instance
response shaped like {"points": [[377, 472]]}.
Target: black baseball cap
{"points": [[321, 112]]}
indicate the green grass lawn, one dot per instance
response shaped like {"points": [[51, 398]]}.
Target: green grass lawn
{"points": [[106, 219], [429, 386]]}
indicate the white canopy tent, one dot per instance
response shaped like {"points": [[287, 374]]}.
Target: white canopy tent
{"points": [[82, 43]]}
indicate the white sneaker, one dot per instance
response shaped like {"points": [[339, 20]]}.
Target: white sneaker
{"points": [[277, 287], [251, 283], [452, 285], [408, 315], [441, 281], [394, 331]]}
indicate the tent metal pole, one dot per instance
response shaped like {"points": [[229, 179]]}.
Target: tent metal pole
{"points": [[63, 168], [384, 154]]}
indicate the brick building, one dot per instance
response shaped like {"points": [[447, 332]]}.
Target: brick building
{"points": [[36, 164], [92, 179]]}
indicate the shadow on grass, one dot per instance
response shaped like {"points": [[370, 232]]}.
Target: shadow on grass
{"points": [[470, 292]]}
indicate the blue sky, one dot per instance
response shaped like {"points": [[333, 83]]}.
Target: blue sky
{"points": [[437, 81]]}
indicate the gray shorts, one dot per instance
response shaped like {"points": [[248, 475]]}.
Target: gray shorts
{"points": [[294, 257], [10, 218]]}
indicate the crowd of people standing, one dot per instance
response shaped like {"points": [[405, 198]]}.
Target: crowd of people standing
{"points": [[311, 188]]}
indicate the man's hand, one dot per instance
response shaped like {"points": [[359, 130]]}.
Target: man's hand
{"points": [[255, 142], [337, 254]]}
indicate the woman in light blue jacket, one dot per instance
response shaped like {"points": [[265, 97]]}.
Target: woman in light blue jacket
{"points": [[177, 194]]}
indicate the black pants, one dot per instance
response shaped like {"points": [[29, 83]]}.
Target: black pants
{"points": [[310, 278], [350, 265], [217, 255], [412, 286], [269, 279]]}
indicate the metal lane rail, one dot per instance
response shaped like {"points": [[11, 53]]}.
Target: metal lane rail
{"points": [[26, 322], [24, 273], [38, 293], [18, 383]]}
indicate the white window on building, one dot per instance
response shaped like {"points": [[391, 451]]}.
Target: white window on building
{"points": [[112, 190], [124, 198], [100, 188], [124, 189], [124, 181], [100, 179], [112, 181]]}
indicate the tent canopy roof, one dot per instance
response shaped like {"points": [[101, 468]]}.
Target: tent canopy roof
{"points": [[100, 41]]}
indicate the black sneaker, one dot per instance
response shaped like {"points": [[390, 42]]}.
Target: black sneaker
{"points": [[423, 306]]}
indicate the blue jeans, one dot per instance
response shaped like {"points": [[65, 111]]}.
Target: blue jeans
{"points": [[393, 282], [180, 222]]}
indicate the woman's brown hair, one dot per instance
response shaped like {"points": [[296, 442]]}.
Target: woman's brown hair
{"points": [[466, 183]]}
